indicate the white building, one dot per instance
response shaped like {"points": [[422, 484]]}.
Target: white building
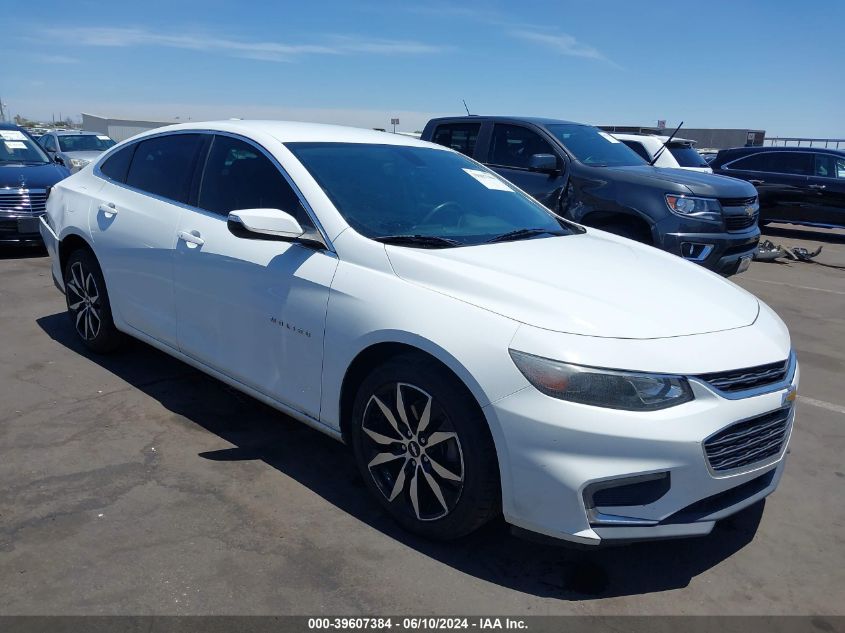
{"points": [[119, 129]]}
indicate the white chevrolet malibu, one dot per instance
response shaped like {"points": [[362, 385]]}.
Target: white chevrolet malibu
{"points": [[479, 354]]}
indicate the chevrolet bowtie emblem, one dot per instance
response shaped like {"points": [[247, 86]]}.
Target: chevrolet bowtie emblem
{"points": [[789, 396]]}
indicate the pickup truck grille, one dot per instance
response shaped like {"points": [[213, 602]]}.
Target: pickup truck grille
{"points": [[748, 378], [748, 442], [740, 222], [738, 202], [23, 202]]}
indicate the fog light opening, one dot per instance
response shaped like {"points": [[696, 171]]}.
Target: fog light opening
{"points": [[695, 251]]}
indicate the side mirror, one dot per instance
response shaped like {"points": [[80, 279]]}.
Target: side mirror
{"points": [[543, 162], [58, 159], [264, 224]]}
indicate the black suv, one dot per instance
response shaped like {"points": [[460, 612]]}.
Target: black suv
{"points": [[586, 175], [799, 185]]}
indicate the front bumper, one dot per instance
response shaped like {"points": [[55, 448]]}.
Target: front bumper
{"points": [[51, 242], [720, 252], [19, 230], [557, 452]]}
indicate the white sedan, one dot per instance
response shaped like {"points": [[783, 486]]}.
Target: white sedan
{"points": [[479, 354]]}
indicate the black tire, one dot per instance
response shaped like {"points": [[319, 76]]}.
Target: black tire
{"points": [[631, 230], [422, 454], [88, 303]]}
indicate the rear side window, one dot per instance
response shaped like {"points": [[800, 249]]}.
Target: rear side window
{"points": [[514, 145], [47, 142], [799, 163], [460, 137], [164, 165], [755, 162], [639, 149], [687, 156], [239, 176], [827, 166], [116, 166]]}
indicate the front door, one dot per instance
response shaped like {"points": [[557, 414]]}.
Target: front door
{"points": [[511, 148], [252, 309], [827, 189]]}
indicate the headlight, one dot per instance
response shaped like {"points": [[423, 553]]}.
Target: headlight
{"points": [[707, 209], [79, 163], [602, 387]]}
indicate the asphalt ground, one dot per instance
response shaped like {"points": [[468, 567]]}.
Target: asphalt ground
{"points": [[133, 484]]}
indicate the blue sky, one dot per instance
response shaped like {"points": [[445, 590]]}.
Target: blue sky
{"points": [[770, 64]]}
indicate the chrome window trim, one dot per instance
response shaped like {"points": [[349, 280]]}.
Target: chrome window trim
{"points": [[302, 200], [785, 383], [728, 167]]}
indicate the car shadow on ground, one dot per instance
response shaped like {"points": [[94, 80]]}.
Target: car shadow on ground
{"points": [[777, 232], [326, 467], [22, 252]]}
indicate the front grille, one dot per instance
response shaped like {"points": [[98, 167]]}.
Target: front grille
{"points": [[748, 442], [23, 202], [738, 202], [740, 222], [748, 378]]}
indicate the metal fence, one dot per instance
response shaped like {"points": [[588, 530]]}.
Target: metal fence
{"points": [[789, 141]]}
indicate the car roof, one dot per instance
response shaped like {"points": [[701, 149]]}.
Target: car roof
{"points": [[541, 121], [657, 137], [770, 148], [72, 133], [295, 131], [8, 126]]}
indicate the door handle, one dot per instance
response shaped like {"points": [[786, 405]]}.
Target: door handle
{"points": [[192, 237], [818, 186], [108, 209], [757, 182]]}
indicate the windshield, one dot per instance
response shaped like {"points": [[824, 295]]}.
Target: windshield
{"points": [[593, 147], [16, 147], [85, 143], [687, 156], [395, 190]]}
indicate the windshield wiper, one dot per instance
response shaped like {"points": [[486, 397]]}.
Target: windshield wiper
{"points": [[423, 241], [519, 234]]}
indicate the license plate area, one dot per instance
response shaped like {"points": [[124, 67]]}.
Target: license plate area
{"points": [[28, 225]]}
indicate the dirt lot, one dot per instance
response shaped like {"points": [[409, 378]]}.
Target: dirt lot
{"points": [[133, 484]]}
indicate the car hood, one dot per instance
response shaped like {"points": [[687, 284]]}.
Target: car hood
{"points": [[592, 284], [31, 176], [697, 183], [89, 156]]}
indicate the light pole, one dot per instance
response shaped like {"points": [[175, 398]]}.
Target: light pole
{"points": [[394, 122]]}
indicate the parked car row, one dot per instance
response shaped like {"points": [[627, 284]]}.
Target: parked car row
{"points": [[480, 353]]}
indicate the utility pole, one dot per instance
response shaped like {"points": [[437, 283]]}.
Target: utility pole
{"points": [[2, 110]]}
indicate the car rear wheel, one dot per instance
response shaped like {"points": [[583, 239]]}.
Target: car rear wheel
{"points": [[88, 303], [424, 450]]}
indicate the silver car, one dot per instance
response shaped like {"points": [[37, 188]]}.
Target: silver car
{"points": [[73, 148]]}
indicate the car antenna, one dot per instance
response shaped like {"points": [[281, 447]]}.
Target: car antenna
{"points": [[465, 107], [665, 145]]}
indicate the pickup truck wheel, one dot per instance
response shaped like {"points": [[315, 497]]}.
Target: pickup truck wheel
{"points": [[88, 303], [424, 450]]}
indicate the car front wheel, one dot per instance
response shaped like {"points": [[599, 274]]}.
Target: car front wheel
{"points": [[424, 450]]}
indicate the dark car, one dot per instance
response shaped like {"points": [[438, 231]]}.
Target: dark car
{"points": [[26, 175], [587, 175], [799, 185]]}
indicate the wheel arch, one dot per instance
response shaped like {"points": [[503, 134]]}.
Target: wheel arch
{"points": [[377, 353], [70, 243], [600, 219]]}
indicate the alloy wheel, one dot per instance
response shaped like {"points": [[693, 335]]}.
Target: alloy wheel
{"points": [[83, 300], [413, 453]]}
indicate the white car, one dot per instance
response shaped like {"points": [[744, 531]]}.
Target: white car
{"points": [[679, 153], [479, 354]]}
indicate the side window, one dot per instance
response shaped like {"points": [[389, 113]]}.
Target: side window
{"points": [[514, 145], [116, 166], [829, 166], [755, 162], [459, 136], [798, 163], [164, 165], [47, 142], [639, 149], [239, 176]]}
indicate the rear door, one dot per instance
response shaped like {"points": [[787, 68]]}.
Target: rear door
{"points": [[510, 150], [827, 189], [252, 309], [460, 136], [133, 223]]}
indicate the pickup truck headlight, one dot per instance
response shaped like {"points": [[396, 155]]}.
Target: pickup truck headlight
{"points": [[79, 163], [608, 388], [708, 209]]}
